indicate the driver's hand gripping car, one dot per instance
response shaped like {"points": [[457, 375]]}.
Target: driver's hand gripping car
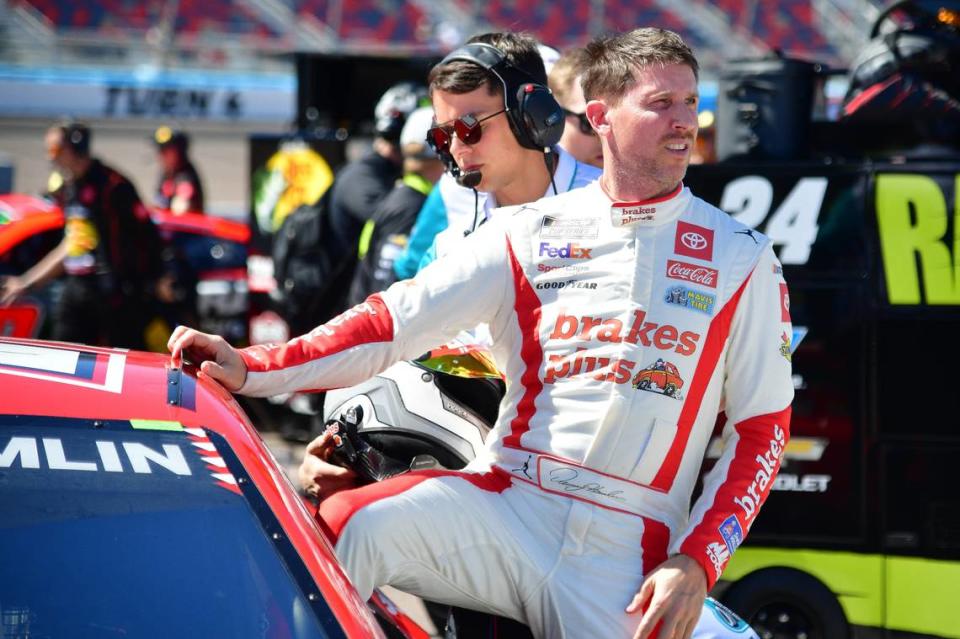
{"points": [[585, 483]]}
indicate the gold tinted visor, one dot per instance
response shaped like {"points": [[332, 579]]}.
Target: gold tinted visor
{"points": [[461, 361]]}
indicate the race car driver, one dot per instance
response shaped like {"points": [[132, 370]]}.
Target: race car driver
{"points": [[577, 519]]}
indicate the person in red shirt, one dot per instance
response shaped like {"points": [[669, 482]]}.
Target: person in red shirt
{"points": [[179, 190]]}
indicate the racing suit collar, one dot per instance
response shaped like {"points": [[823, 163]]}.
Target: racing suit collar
{"points": [[652, 212]]}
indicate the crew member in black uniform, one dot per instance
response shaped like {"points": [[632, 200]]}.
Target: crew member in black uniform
{"points": [[361, 185], [385, 235], [110, 253], [179, 189]]}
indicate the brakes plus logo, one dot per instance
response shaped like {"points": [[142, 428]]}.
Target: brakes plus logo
{"points": [[568, 251], [767, 465], [626, 214], [612, 330], [701, 275], [664, 337], [693, 241]]}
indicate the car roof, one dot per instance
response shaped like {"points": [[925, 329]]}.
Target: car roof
{"points": [[57, 379]]}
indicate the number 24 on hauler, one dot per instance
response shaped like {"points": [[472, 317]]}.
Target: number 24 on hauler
{"points": [[793, 226]]}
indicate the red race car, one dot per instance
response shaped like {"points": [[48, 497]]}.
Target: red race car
{"points": [[138, 500]]}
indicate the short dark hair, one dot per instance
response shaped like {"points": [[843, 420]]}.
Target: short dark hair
{"points": [[461, 76], [611, 60]]}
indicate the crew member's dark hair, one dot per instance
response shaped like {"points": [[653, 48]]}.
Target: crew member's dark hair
{"points": [[611, 60], [461, 76]]}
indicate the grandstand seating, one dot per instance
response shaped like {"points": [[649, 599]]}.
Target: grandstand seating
{"points": [[626, 14], [785, 25], [193, 16], [552, 24], [788, 25], [372, 21]]}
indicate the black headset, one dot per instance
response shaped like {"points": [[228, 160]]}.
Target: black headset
{"points": [[77, 137], [535, 117]]}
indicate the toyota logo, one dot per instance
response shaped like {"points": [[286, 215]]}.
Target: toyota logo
{"points": [[694, 241]]}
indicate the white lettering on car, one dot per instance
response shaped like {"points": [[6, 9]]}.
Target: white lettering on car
{"points": [[26, 452], [23, 447]]}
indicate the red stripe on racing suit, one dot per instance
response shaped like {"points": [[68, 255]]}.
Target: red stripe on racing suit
{"points": [[527, 306], [337, 509]]}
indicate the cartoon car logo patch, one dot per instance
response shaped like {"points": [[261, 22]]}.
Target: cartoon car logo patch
{"points": [[660, 377], [785, 349]]}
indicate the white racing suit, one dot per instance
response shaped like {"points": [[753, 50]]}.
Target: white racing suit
{"points": [[623, 331]]}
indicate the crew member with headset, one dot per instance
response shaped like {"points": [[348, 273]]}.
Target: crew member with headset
{"points": [[110, 253], [179, 189], [521, 164]]}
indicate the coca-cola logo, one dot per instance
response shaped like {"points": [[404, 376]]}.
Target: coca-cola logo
{"points": [[701, 275]]}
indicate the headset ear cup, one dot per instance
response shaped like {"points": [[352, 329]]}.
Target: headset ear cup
{"points": [[539, 115]]}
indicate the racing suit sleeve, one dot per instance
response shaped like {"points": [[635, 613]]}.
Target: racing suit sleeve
{"points": [[758, 390], [454, 293]]}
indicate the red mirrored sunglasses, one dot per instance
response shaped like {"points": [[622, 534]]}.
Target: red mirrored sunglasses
{"points": [[467, 128]]}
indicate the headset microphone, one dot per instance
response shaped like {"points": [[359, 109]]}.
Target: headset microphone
{"points": [[469, 179]]}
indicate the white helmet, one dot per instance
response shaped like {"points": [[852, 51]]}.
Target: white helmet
{"points": [[442, 405]]}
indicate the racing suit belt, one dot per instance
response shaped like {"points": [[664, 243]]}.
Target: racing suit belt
{"points": [[569, 479]]}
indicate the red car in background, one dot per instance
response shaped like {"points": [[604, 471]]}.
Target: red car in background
{"points": [[139, 501], [209, 253]]}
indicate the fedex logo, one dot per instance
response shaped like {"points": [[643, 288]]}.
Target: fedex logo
{"points": [[693, 241], [570, 251]]}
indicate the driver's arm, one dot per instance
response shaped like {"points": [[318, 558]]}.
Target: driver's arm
{"points": [[758, 390], [454, 293]]}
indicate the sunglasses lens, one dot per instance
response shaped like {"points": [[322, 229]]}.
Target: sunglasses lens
{"points": [[441, 139], [468, 129]]}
